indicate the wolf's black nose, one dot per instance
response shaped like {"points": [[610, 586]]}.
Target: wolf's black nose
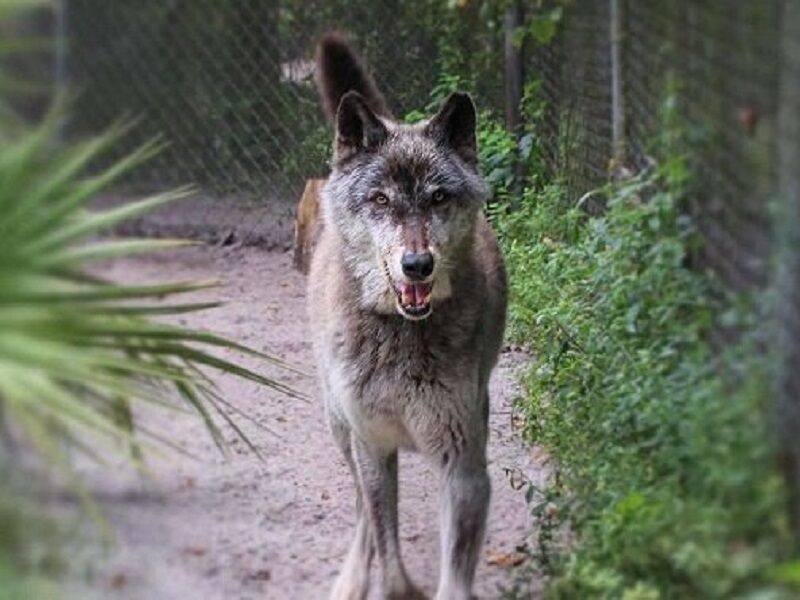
{"points": [[417, 265]]}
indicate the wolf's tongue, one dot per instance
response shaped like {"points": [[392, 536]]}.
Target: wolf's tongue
{"points": [[415, 294], [407, 295]]}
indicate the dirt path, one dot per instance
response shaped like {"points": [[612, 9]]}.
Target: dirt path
{"points": [[214, 527]]}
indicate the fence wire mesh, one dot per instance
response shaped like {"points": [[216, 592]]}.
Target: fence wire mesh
{"points": [[788, 254], [719, 62], [229, 85], [575, 72], [212, 78]]}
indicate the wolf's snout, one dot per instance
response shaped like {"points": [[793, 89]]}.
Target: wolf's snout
{"points": [[417, 265]]}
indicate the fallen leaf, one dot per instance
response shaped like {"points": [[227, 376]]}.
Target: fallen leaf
{"points": [[505, 559], [195, 550], [118, 581], [517, 421]]}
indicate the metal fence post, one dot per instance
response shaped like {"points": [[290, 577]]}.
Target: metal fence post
{"points": [[513, 65], [617, 98], [60, 52], [788, 275], [514, 77]]}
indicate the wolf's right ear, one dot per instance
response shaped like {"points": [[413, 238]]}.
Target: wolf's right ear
{"points": [[454, 126], [357, 127]]}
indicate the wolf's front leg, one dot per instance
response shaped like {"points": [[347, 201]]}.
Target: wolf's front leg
{"points": [[378, 477], [466, 490], [353, 580]]}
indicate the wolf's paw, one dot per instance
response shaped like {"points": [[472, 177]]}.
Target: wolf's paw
{"points": [[350, 588], [410, 593], [446, 596], [348, 594]]}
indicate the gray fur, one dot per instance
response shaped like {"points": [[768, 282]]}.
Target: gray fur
{"points": [[390, 382]]}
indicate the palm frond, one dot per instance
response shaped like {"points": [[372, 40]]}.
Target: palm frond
{"points": [[76, 351]]}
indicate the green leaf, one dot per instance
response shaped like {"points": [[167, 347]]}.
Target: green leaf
{"points": [[788, 573], [543, 27]]}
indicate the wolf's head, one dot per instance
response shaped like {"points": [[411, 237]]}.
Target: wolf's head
{"points": [[404, 199]]}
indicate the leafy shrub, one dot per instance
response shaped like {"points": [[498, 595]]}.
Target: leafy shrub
{"points": [[497, 150], [664, 470]]}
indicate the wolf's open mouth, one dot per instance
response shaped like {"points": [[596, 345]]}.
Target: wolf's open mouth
{"points": [[414, 299]]}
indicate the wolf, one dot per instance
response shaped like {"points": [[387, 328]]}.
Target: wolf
{"points": [[407, 303]]}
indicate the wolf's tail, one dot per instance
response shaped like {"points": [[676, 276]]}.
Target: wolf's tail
{"points": [[340, 70]]}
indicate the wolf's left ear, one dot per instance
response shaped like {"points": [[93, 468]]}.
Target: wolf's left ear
{"points": [[454, 126]]}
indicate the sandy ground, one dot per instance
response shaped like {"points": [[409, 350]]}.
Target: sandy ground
{"points": [[235, 527], [267, 223]]}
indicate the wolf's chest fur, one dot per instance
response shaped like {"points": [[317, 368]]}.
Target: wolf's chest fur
{"points": [[411, 384], [414, 384]]}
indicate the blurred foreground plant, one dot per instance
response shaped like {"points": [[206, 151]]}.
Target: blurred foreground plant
{"points": [[74, 348], [77, 352]]}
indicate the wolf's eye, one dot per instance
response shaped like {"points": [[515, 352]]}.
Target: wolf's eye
{"points": [[438, 197], [380, 199]]}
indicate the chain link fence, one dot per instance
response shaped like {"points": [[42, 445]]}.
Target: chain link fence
{"points": [[787, 165], [575, 70], [719, 62], [229, 86]]}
